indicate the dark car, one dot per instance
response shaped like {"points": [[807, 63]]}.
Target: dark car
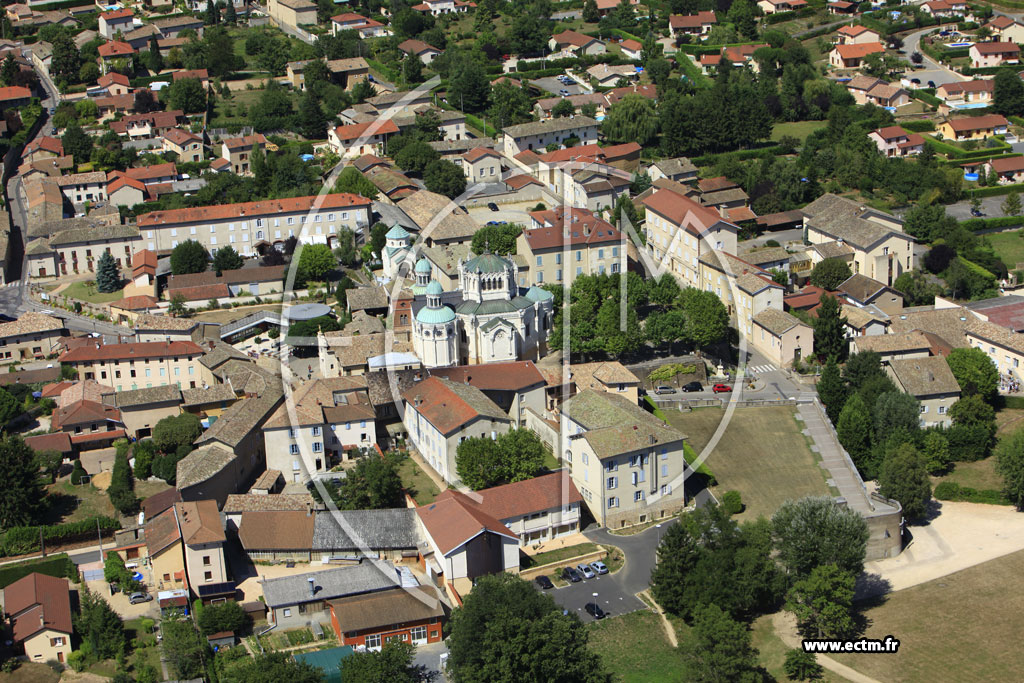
{"points": [[492, 206], [544, 582], [722, 388], [977, 213], [570, 574], [931, 84], [594, 610], [693, 386], [915, 81]]}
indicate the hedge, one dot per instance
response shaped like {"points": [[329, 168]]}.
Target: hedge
{"points": [[949, 490], [925, 97], [25, 539], [786, 16], [698, 49], [957, 153], [978, 224], [994, 191], [976, 269], [986, 70], [918, 126], [59, 565]]}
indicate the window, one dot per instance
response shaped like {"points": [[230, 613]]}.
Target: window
{"points": [[294, 449], [318, 446], [419, 633], [664, 470], [291, 432], [924, 409], [613, 482], [192, 230], [613, 502], [666, 490], [540, 260], [286, 612], [600, 253], [207, 576], [540, 277], [316, 430], [206, 560], [664, 454], [942, 410], [638, 496], [373, 640], [558, 259], [579, 256]]}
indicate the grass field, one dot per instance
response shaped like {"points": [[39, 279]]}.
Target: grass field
{"points": [[772, 651], [1009, 247], [796, 129], [73, 503], [31, 673], [977, 475], [78, 290], [762, 455], [421, 487], [634, 648], [961, 627], [558, 554]]}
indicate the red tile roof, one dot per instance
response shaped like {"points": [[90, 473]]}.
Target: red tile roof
{"points": [[573, 38], [144, 258], [531, 495], [853, 31], [479, 153], [245, 141], [57, 441], [996, 48], [112, 77], [98, 436], [682, 211], [117, 14], [978, 122], [202, 292], [692, 20], [135, 303], [115, 48], [120, 180], [38, 601], [1007, 164], [14, 92], [83, 411], [269, 207], [145, 173], [449, 406], [51, 390], [131, 350], [891, 133], [631, 45], [198, 74], [584, 228], [858, 51], [47, 144], [358, 130], [512, 376], [416, 47], [454, 519]]}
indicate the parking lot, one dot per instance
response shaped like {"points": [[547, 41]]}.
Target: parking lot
{"points": [[506, 213], [555, 86], [605, 590]]}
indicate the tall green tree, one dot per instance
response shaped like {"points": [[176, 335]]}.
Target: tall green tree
{"points": [[815, 531], [830, 273], [823, 602], [373, 484], [444, 177], [394, 663], [188, 95], [412, 70], [122, 487], [896, 410], [904, 478], [1011, 205], [416, 156], [855, 429], [316, 261], [9, 70], [509, 105], [351, 180], [1010, 465], [270, 667], [65, 59], [183, 649], [830, 329], [108, 275], [564, 109], [832, 389], [189, 257], [497, 239], [719, 649], [1008, 93], [973, 430], [631, 119], [469, 88], [311, 118], [975, 373], [508, 632], [23, 491], [174, 431], [591, 14], [707, 320], [77, 143], [99, 625], [514, 456], [226, 258]]}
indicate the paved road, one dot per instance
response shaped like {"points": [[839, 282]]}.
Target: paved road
{"points": [[933, 71]]}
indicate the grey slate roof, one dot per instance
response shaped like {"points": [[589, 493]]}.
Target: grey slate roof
{"points": [[201, 464], [776, 321], [95, 234], [549, 126], [923, 377], [367, 577], [211, 394], [362, 298], [616, 425], [141, 397], [349, 530], [491, 307], [220, 354], [238, 420]]}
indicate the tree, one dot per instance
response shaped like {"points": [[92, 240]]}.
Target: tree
{"points": [[416, 156], [855, 429], [346, 251], [177, 307], [1011, 205], [591, 14], [823, 602], [65, 59], [121, 489], [270, 667], [896, 410], [23, 490], [212, 15], [351, 180], [373, 484], [187, 94], [564, 109], [9, 71], [830, 273], [509, 105], [496, 239], [469, 89], [183, 649], [230, 14], [1008, 93], [412, 70], [189, 257], [508, 632], [444, 177], [514, 456], [108, 275], [801, 665], [1010, 466], [975, 373], [904, 478], [174, 431], [973, 430], [633, 118], [76, 143], [312, 120], [718, 649], [832, 389], [814, 531], [830, 329], [99, 625], [362, 91], [707, 321], [378, 237], [143, 452], [226, 258], [227, 616], [394, 663], [315, 261]]}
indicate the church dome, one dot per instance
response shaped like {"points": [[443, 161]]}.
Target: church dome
{"points": [[537, 295], [434, 288], [487, 263], [397, 232], [435, 316], [423, 266]]}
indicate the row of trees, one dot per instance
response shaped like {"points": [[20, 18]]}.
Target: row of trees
{"points": [[514, 456]]}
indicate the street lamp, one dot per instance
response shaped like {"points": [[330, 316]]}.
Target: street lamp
{"points": [[658, 527]]}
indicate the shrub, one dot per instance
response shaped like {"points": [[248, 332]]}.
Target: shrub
{"points": [[949, 490], [801, 666], [77, 473], [732, 501]]}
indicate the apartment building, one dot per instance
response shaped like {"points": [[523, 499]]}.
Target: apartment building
{"points": [[244, 226], [83, 187], [31, 336], [627, 464], [540, 134], [78, 250], [564, 244], [202, 536], [680, 231], [745, 289], [139, 364], [237, 152]]}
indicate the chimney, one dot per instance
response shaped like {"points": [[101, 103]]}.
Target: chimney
{"points": [[312, 586], [309, 513]]}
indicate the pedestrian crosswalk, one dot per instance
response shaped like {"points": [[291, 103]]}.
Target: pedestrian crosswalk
{"points": [[760, 369]]}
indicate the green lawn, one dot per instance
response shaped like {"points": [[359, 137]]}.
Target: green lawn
{"points": [[234, 110], [31, 673], [421, 487], [962, 627], [70, 503], [772, 651], [78, 290], [797, 129], [1009, 247], [634, 648], [762, 454], [977, 475], [558, 554]]}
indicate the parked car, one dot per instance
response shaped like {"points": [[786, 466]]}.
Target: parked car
{"points": [[664, 389], [492, 206], [693, 386], [931, 84], [570, 574], [544, 582], [594, 610], [563, 92], [915, 81], [599, 567], [977, 213], [586, 571], [136, 598], [722, 388]]}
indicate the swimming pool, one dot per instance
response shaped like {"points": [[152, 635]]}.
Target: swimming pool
{"points": [[968, 105], [967, 44]]}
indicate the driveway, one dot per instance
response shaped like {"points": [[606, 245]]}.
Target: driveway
{"points": [[932, 70], [506, 213], [555, 86], [992, 207]]}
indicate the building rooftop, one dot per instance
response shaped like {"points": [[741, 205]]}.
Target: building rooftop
{"points": [[238, 503], [614, 425], [454, 518], [923, 377], [387, 608], [352, 530], [30, 323], [39, 602], [449, 405], [135, 398], [561, 124], [776, 321], [367, 577]]}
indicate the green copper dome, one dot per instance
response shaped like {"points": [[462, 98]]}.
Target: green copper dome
{"points": [[487, 263], [434, 288], [536, 294], [435, 316], [423, 266], [397, 232]]}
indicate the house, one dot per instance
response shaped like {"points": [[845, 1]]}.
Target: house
{"points": [[974, 127], [43, 147], [440, 414], [164, 551], [626, 463], [113, 51], [537, 509], [607, 75], [1006, 29], [148, 126], [358, 139], [893, 141], [984, 55], [864, 291], [78, 249], [80, 188], [631, 49], [515, 387], [776, 6], [679, 169], [609, 376], [202, 536], [866, 89], [415, 614], [912, 344], [854, 34], [931, 382], [781, 337], [417, 48], [39, 607], [138, 363], [117, 21], [171, 27], [680, 231], [463, 542], [114, 83], [482, 165], [237, 151], [589, 244], [187, 146], [605, 7], [33, 336], [367, 28], [90, 424], [852, 56], [967, 91], [201, 75], [299, 600], [245, 225], [351, 70], [744, 288], [438, 7], [873, 241], [292, 13], [141, 409], [944, 9], [326, 421], [575, 44], [1009, 170], [698, 24], [841, 7], [539, 134]]}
